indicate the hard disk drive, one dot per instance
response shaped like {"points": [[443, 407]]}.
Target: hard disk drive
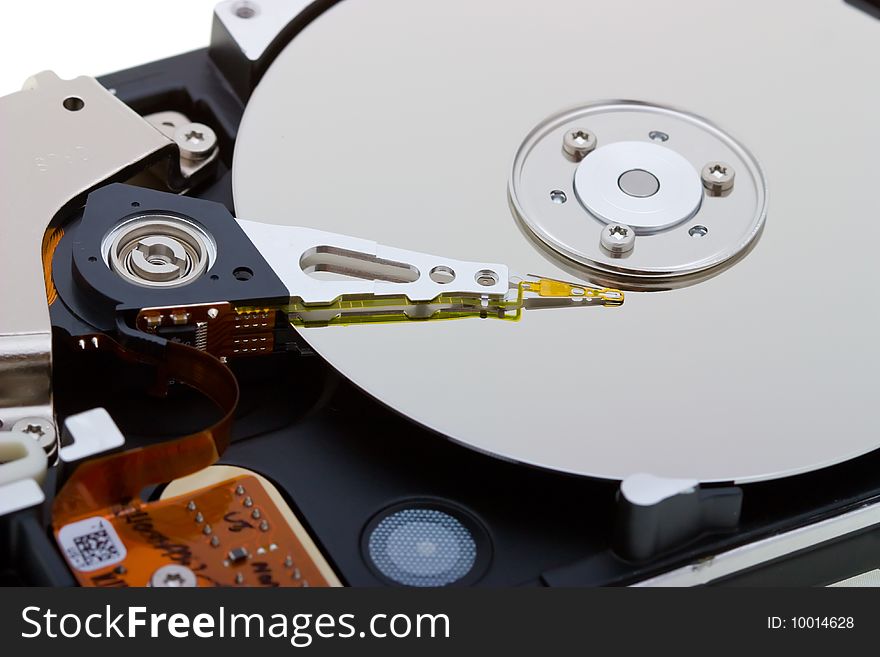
{"points": [[419, 293]]}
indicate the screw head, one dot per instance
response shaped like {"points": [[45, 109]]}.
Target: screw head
{"points": [[618, 238], [577, 143], [718, 178], [173, 575], [196, 141], [41, 429]]}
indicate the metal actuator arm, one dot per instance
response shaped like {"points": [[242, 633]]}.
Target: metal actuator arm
{"points": [[338, 279], [233, 287]]}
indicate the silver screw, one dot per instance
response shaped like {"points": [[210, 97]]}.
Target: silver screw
{"points": [[173, 575], [618, 238], [718, 178], [196, 141], [38, 428], [578, 143]]}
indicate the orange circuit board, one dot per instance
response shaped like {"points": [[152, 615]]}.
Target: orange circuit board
{"points": [[228, 534]]}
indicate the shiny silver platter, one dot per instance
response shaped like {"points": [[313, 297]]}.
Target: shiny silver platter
{"points": [[746, 353]]}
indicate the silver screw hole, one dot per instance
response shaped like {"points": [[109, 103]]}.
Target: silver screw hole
{"points": [[442, 274], [73, 103], [245, 9], [558, 197], [486, 278]]}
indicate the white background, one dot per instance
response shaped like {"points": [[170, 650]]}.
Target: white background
{"points": [[93, 37]]}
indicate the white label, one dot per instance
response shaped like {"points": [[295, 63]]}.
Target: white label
{"points": [[91, 544]]}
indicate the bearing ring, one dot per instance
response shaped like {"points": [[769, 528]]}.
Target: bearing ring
{"points": [[159, 250]]}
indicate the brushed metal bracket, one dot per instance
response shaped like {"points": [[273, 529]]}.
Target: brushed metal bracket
{"points": [[61, 139]]}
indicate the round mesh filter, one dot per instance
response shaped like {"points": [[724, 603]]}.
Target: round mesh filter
{"points": [[422, 547]]}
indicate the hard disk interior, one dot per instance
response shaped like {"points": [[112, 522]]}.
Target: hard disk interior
{"points": [[418, 293]]}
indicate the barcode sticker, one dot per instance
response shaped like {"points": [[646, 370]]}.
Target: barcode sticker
{"points": [[91, 544]]}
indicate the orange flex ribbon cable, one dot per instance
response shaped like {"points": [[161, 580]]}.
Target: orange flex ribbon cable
{"points": [[119, 478], [50, 240]]}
